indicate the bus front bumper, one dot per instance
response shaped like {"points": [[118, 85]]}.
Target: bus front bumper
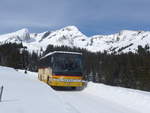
{"points": [[65, 82]]}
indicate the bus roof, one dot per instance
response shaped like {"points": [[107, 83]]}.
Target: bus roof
{"points": [[66, 52]]}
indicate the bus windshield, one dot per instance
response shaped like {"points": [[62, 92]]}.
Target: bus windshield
{"points": [[67, 63]]}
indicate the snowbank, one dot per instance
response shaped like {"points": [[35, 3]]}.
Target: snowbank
{"points": [[133, 99], [24, 95]]}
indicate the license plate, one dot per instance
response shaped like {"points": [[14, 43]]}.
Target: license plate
{"points": [[67, 83]]}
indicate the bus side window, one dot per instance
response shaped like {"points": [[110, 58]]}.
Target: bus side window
{"points": [[52, 61], [47, 62]]}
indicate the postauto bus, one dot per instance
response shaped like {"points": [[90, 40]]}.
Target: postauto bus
{"points": [[61, 69]]}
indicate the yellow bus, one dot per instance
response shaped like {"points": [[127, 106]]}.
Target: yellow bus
{"points": [[61, 69]]}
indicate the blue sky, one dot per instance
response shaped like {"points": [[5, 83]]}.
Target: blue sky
{"points": [[90, 16]]}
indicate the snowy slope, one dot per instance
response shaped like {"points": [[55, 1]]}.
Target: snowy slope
{"points": [[23, 94], [124, 41], [21, 35], [136, 100]]}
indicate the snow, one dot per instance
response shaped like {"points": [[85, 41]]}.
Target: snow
{"points": [[72, 37], [24, 93], [100, 98], [29, 74], [136, 100], [21, 35]]}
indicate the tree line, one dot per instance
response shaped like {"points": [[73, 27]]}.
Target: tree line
{"points": [[16, 56], [131, 70]]}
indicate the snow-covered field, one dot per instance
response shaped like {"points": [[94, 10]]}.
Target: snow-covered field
{"points": [[24, 93]]}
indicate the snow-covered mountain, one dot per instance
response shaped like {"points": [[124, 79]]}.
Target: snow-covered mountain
{"points": [[124, 41], [21, 35]]}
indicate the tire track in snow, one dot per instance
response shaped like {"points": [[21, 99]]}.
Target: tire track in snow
{"points": [[80, 102], [71, 108]]}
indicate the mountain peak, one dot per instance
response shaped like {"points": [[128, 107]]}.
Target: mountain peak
{"points": [[71, 28], [22, 31], [23, 34]]}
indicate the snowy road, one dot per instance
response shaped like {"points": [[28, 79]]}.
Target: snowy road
{"points": [[23, 93], [82, 102]]}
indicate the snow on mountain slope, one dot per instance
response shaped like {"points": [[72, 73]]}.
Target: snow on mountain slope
{"points": [[18, 36], [25, 94], [124, 41], [68, 36]]}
